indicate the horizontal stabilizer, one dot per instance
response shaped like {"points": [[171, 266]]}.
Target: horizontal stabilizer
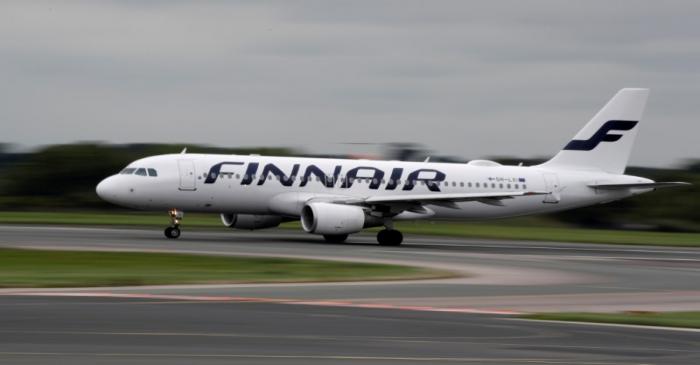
{"points": [[654, 185]]}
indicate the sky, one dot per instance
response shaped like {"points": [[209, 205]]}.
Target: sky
{"points": [[465, 78]]}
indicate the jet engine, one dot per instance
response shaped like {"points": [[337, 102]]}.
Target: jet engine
{"points": [[332, 219], [250, 221]]}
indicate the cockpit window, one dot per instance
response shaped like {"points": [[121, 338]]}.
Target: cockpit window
{"points": [[152, 172], [141, 172], [128, 171]]}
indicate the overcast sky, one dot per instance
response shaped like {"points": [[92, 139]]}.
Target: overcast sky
{"points": [[467, 78]]}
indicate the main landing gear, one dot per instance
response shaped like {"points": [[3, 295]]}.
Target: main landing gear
{"points": [[173, 231], [389, 236]]}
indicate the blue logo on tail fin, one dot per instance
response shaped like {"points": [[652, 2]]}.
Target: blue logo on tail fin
{"points": [[602, 135]]}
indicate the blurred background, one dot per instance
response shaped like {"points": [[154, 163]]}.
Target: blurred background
{"points": [[508, 80]]}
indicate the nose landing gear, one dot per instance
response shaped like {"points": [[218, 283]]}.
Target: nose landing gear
{"points": [[173, 231]]}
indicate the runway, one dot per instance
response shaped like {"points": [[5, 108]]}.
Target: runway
{"points": [[109, 331], [383, 322]]}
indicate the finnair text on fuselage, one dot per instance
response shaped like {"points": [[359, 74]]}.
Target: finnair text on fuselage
{"points": [[375, 176]]}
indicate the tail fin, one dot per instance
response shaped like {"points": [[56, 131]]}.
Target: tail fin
{"points": [[606, 141]]}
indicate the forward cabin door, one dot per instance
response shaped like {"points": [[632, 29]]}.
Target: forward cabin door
{"points": [[551, 183], [188, 180]]}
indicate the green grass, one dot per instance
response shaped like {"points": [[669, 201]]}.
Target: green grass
{"points": [[544, 233], [666, 319], [20, 268], [103, 218], [516, 229]]}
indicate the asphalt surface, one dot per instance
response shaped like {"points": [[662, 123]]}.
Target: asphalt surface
{"points": [[364, 323], [108, 331]]}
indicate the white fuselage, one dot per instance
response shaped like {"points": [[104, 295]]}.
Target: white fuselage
{"points": [[277, 185]]}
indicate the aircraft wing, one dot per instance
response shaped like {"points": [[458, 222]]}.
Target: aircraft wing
{"points": [[654, 185], [446, 200], [459, 197]]}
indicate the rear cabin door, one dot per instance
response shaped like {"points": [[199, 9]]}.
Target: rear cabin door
{"points": [[551, 183], [188, 180]]}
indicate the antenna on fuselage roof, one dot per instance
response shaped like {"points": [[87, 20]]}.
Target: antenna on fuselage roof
{"points": [[184, 150]]}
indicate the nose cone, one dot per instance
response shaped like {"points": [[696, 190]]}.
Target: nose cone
{"points": [[106, 189]]}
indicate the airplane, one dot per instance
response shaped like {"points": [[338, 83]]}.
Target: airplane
{"points": [[338, 197]]}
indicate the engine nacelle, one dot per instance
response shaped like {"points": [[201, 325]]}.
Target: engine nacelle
{"points": [[250, 221], [329, 218]]}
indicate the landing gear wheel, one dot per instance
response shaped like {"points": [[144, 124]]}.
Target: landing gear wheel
{"points": [[389, 237], [172, 232], [335, 238]]}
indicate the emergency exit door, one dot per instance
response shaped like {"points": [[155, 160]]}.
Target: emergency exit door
{"points": [[551, 183]]}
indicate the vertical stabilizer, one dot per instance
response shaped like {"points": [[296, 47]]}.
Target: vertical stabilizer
{"points": [[606, 141]]}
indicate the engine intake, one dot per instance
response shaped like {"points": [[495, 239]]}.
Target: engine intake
{"points": [[250, 221], [332, 219]]}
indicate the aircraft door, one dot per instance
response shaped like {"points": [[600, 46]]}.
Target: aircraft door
{"points": [[551, 183], [188, 180]]}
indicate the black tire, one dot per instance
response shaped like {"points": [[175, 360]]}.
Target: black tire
{"points": [[335, 238], [172, 232], [389, 237], [382, 237]]}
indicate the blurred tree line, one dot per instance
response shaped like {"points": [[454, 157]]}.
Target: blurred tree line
{"points": [[63, 177]]}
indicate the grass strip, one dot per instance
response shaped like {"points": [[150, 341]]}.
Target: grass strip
{"points": [[22, 268], [665, 319], [559, 234]]}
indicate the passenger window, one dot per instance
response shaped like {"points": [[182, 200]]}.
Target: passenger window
{"points": [[477, 185], [128, 171], [461, 184], [469, 184], [508, 186], [141, 172], [152, 172]]}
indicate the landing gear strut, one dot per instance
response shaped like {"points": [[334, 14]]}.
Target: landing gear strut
{"points": [[173, 231]]}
